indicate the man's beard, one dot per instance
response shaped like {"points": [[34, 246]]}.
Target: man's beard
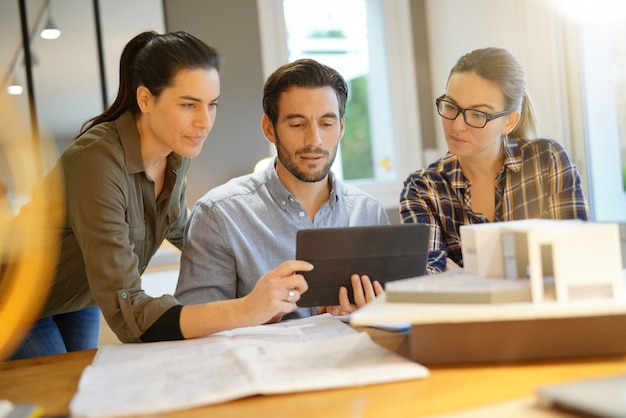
{"points": [[290, 164]]}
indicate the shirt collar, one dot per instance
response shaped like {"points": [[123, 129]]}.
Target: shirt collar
{"points": [[280, 193], [450, 163], [129, 137], [335, 188], [512, 155]]}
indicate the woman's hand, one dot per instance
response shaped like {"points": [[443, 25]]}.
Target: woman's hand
{"points": [[277, 292], [274, 295]]}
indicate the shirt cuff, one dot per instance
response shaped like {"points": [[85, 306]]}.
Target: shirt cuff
{"points": [[166, 328]]}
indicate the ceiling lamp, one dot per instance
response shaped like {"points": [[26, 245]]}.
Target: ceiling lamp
{"points": [[14, 88], [50, 31]]}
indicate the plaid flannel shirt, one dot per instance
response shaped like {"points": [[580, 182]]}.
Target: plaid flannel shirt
{"points": [[538, 180]]}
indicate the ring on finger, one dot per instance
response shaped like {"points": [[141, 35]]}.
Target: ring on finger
{"points": [[291, 295]]}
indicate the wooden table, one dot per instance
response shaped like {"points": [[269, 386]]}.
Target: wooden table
{"points": [[51, 382]]}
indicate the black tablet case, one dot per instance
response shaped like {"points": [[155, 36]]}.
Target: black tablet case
{"points": [[383, 252]]}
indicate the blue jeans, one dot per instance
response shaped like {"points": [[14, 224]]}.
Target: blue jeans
{"points": [[56, 334]]}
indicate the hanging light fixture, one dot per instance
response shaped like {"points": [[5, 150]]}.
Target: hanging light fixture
{"points": [[50, 31], [15, 88]]}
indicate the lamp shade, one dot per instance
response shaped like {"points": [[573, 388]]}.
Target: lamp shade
{"points": [[14, 88], [50, 31]]}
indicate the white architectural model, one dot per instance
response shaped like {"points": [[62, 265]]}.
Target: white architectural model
{"points": [[583, 258]]}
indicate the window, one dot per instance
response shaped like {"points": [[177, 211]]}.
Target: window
{"points": [[381, 145], [598, 34], [617, 36]]}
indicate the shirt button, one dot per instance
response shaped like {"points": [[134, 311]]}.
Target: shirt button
{"points": [[301, 214], [283, 203], [124, 295]]}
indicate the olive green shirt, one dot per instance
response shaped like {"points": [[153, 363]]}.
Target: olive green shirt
{"points": [[113, 226]]}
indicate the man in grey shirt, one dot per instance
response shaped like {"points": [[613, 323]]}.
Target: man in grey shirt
{"points": [[246, 227]]}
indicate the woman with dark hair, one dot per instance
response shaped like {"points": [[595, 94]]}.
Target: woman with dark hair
{"points": [[124, 179], [494, 170]]}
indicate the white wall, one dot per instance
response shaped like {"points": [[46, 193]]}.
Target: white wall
{"points": [[118, 28]]}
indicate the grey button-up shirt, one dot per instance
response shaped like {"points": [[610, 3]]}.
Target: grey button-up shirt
{"points": [[241, 230]]}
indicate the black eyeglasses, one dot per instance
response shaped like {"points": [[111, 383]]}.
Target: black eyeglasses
{"points": [[473, 118]]}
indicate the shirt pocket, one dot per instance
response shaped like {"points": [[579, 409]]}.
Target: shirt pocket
{"points": [[137, 233], [139, 241]]}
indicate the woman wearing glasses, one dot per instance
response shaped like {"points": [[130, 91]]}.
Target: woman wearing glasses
{"points": [[494, 170]]}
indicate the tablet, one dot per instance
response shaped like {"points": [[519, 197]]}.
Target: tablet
{"points": [[383, 252]]}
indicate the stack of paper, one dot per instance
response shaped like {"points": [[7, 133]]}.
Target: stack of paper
{"points": [[314, 353]]}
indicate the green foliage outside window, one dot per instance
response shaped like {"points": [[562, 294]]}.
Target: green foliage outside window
{"points": [[333, 34], [356, 145]]}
